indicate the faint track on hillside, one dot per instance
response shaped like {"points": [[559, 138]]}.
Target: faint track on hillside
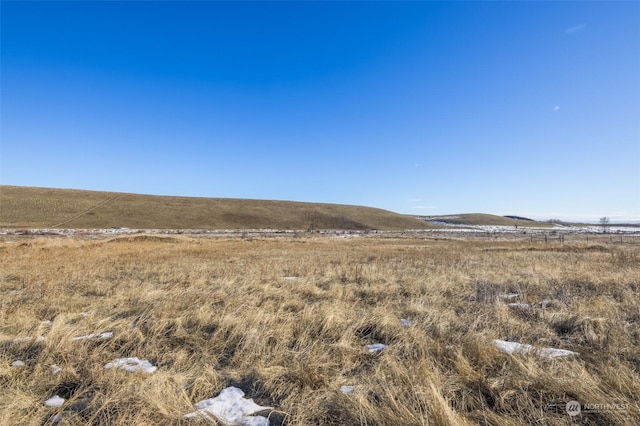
{"points": [[100, 204]]}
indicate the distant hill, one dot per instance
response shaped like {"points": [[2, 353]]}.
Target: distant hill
{"points": [[30, 207], [485, 220], [517, 217]]}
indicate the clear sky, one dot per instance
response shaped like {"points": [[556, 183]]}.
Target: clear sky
{"points": [[527, 108]]}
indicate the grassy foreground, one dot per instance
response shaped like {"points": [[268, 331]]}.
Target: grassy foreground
{"points": [[288, 322]]}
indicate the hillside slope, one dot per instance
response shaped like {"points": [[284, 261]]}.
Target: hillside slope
{"points": [[29, 207], [482, 219]]}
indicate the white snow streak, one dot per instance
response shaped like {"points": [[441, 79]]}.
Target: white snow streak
{"points": [[132, 365], [101, 336], [231, 409], [376, 347], [515, 347]]}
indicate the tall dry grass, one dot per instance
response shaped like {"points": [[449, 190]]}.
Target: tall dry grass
{"points": [[214, 313]]}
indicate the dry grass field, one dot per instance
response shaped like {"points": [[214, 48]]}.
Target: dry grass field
{"points": [[288, 321]]}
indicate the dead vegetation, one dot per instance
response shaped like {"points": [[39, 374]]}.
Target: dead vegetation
{"points": [[288, 322]]}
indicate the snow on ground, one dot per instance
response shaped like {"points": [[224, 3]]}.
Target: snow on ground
{"points": [[554, 353], [132, 365], [597, 229], [54, 401], [231, 409], [376, 347], [515, 347], [336, 233], [69, 232], [503, 229], [348, 390], [100, 336]]}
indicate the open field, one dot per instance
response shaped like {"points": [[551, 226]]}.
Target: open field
{"points": [[27, 207], [288, 321]]}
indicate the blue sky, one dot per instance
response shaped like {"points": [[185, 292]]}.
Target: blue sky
{"points": [[529, 108]]}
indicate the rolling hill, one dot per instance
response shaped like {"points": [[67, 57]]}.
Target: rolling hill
{"points": [[31, 207], [474, 219]]}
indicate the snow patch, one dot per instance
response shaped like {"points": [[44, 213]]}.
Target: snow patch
{"points": [[554, 353], [406, 322], [231, 409], [376, 347], [348, 390], [100, 336], [132, 365], [17, 363], [54, 401], [515, 347], [55, 369]]}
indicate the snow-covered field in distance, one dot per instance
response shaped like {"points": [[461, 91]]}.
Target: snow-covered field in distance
{"points": [[446, 228]]}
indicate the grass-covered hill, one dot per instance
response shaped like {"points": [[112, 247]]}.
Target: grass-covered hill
{"points": [[485, 220], [29, 207]]}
